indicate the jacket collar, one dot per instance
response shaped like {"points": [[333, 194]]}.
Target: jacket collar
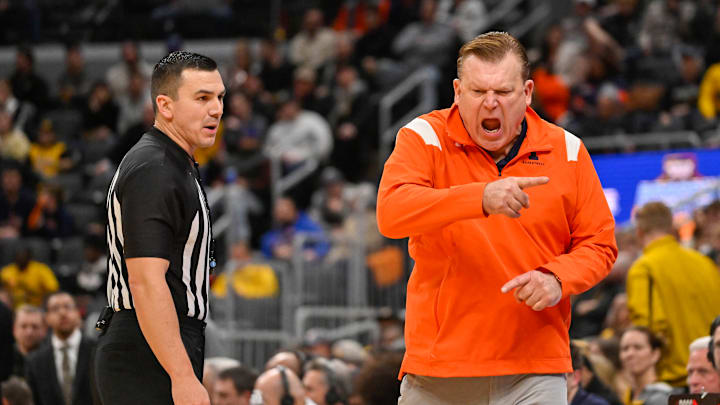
{"points": [[176, 150], [535, 140], [660, 242]]}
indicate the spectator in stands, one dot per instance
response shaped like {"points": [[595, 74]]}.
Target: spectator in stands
{"points": [[91, 276], [100, 112], [597, 374], [618, 317], [242, 66], [132, 102], [26, 84], [48, 155], [20, 111], [426, 42], [49, 218], [576, 394], [29, 330], [298, 136], [28, 281], [276, 72], [212, 368], [658, 284], [119, 75], [74, 77], [278, 242], [353, 15], [351, 352], [664, 22], [467, 17], [307, 94], [7, 343], [294, 360], [715, 343], [317, 343], [702, 376], [130, 137], [314, 45], [59, 370], [374, 46], [16, 202], [234, 386], [15, 391], [345, 55], [244, 129], [640, 352], [377, 382], [681, 97], [552, 94], [330, 204], [14, 144], [622, 21], [278, 386], [350, 119], [323, 384], [709, 96]]}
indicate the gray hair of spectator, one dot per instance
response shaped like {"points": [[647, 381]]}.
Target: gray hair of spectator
{"points": [[701, 343], [167, 73], [16, 391], [243, 379], [220, 364], [29, 309], [350, 351], [336, 374], [492, 47]]}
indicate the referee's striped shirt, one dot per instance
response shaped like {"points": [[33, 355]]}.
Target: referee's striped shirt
{"points": [[156, 208]]}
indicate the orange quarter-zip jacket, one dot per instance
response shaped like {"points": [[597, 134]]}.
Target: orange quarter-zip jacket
{"points": [[458, 323]]}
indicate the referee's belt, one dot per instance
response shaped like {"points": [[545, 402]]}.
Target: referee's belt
{"points": [[183, 320]]}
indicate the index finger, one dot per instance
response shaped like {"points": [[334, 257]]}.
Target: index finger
{"points": [[515, 282], [525, 182]]}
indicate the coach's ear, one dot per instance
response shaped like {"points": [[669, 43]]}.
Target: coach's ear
{"points": [[164, 105]]}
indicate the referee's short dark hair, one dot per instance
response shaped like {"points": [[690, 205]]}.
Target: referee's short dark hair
{"points": [[243, 378], [167, 73]]}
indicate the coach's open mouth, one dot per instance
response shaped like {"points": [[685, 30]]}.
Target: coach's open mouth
{"points": [[491, 125]]}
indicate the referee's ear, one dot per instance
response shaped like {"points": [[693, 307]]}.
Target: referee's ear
{"points": [[164, 106]]}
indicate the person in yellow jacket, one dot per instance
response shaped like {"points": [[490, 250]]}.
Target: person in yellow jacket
{"points": [[709, 96], [28, 281], [672, 290]]}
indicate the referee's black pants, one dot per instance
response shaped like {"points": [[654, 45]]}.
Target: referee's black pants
{"points": [[127, 371]]}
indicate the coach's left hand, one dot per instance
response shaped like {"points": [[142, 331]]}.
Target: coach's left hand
{"points": [[536, 289]]}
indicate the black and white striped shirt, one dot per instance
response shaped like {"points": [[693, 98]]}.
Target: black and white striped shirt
{"points": [[156, 208]]}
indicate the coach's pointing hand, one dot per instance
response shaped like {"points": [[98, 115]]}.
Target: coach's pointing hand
{"points": [[507, 197], [536, 289]]}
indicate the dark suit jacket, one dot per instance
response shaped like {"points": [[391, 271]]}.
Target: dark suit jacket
{"points": [[43, 380]]}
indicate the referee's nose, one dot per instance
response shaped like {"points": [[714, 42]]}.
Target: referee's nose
{"points": [[216, 108]]}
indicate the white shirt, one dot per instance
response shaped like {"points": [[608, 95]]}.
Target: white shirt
{"points": [[74, 342]]}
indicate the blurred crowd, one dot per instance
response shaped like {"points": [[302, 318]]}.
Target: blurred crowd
{"points": [[305, 97]]}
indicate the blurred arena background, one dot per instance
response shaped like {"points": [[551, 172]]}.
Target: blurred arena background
{"points": [[301, 261]]}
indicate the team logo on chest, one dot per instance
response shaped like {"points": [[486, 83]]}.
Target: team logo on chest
{"points": [[533, 159]]}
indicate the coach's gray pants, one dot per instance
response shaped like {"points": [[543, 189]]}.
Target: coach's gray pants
{"points": [[522, 389]]}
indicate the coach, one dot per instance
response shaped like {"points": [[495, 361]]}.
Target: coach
{"points": [[495, 200]]}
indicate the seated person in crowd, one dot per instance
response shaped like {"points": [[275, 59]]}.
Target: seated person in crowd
{"points": [[640, 353], [702, 377]]}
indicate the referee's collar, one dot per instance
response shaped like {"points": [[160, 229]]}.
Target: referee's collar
{"points": [[178, 151]]}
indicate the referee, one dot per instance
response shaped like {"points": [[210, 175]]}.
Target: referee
{"points": [[160, 239]]}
